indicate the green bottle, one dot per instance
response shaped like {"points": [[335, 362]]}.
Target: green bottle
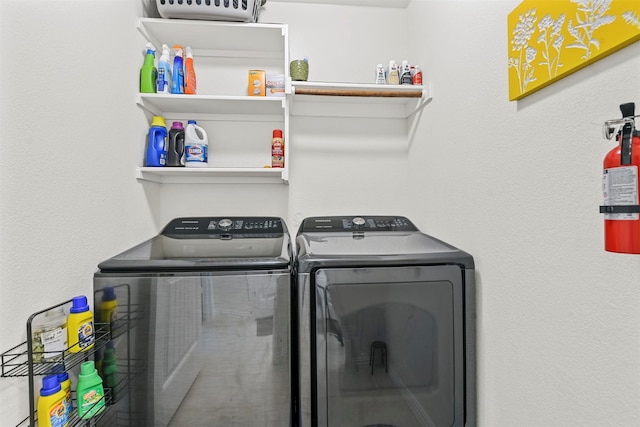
{"points": [[90, 392], [149, 72]]}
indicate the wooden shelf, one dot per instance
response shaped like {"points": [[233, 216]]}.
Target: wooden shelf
{"points": [[358, 99]]}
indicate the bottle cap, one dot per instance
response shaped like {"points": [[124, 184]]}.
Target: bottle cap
{"points": [[277, 133], [191, 122], [177, 125], [109, 294], [50, 385], [62, 377], [79, 304], [87, 368], [158, 121]]}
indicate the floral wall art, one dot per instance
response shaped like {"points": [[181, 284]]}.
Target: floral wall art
{"points": [[551, 39]]}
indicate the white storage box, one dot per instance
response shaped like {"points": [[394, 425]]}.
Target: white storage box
{"points": [[213, 10]]}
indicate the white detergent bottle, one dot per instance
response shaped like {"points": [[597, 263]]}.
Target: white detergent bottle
{"points": [[164, 71], [196, 146]]}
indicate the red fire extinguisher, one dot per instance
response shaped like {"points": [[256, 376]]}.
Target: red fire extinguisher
{"points": [[620, 184]]}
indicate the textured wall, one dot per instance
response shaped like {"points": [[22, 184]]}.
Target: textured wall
{"points": [[518, 185]]}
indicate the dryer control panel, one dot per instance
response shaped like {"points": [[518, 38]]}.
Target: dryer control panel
{"points": [[356, 223]]}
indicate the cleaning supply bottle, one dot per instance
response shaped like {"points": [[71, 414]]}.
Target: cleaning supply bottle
{"points": [[381, 77], [189, 72], [65, 383], [417, 75], [89, 392], [80, 325], [405, 73], [175, 149], [108, 308], [109, 372], [196, 146], [157, 143], [149, 72], [277, 149], [52, 411], [164, 71], [177, 77], [393, 77]]}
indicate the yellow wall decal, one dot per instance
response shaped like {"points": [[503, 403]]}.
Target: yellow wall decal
{"points": [[550, 39]]}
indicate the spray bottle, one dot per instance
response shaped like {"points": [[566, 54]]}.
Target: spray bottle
{"points": [[189, 72], [148, 72], [164, 71], [177, 77]]}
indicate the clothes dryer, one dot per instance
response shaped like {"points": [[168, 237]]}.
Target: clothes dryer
{"points": [[386, 325]]}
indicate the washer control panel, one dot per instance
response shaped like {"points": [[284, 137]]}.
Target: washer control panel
{"points": [[216, 226], [356, 223]]}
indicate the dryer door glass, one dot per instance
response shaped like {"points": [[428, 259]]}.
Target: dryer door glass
{"points": [[389, 345]]}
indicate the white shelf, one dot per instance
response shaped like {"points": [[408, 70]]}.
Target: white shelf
{"points": [[217, 38], [358, 99], [208, 105], [183, 175], [227, 50]]}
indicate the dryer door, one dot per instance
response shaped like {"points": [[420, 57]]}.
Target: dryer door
{"points": [[389, 346]]}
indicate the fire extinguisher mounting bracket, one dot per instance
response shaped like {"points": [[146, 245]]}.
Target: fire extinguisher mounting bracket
{"points": [[623, 209]]}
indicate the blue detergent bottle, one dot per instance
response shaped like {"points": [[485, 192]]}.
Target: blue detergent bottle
{"points": [[157, 143]]}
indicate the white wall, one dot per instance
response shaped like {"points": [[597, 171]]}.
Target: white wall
{"points": [[518, 185], [515, 184]]}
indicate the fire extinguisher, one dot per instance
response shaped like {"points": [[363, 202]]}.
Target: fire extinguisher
{"points": [[620, 184]]}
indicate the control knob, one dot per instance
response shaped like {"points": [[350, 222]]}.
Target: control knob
{"points": [[358, 221], [225, 224]]}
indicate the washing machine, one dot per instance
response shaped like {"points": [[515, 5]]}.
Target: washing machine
{"points": [[199, 320], [386, 320]]}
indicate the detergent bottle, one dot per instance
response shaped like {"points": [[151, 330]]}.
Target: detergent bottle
{"points": [[108, 308], [149, 72], [52, 411], [189, 73], [177, 77], [157, 143], [196, 146], [164, 71], [80, 325], [175, 151], [65, 383], [90, 391]]}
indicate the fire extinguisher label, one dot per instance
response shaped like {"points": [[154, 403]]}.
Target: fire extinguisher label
{"points": [[620, 187]]}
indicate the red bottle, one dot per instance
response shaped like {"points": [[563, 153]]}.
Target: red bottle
{"points": [[277, 149]]}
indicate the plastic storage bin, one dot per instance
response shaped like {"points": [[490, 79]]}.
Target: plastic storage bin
{"points": [[214, 10]]}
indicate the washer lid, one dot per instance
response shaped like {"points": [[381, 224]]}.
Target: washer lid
{"points": [[209, 243], [371, 240]]}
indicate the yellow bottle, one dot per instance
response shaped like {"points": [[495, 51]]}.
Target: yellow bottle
{"points": [[52, 411], [80, 326], [108, 308], [65, 383]]}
